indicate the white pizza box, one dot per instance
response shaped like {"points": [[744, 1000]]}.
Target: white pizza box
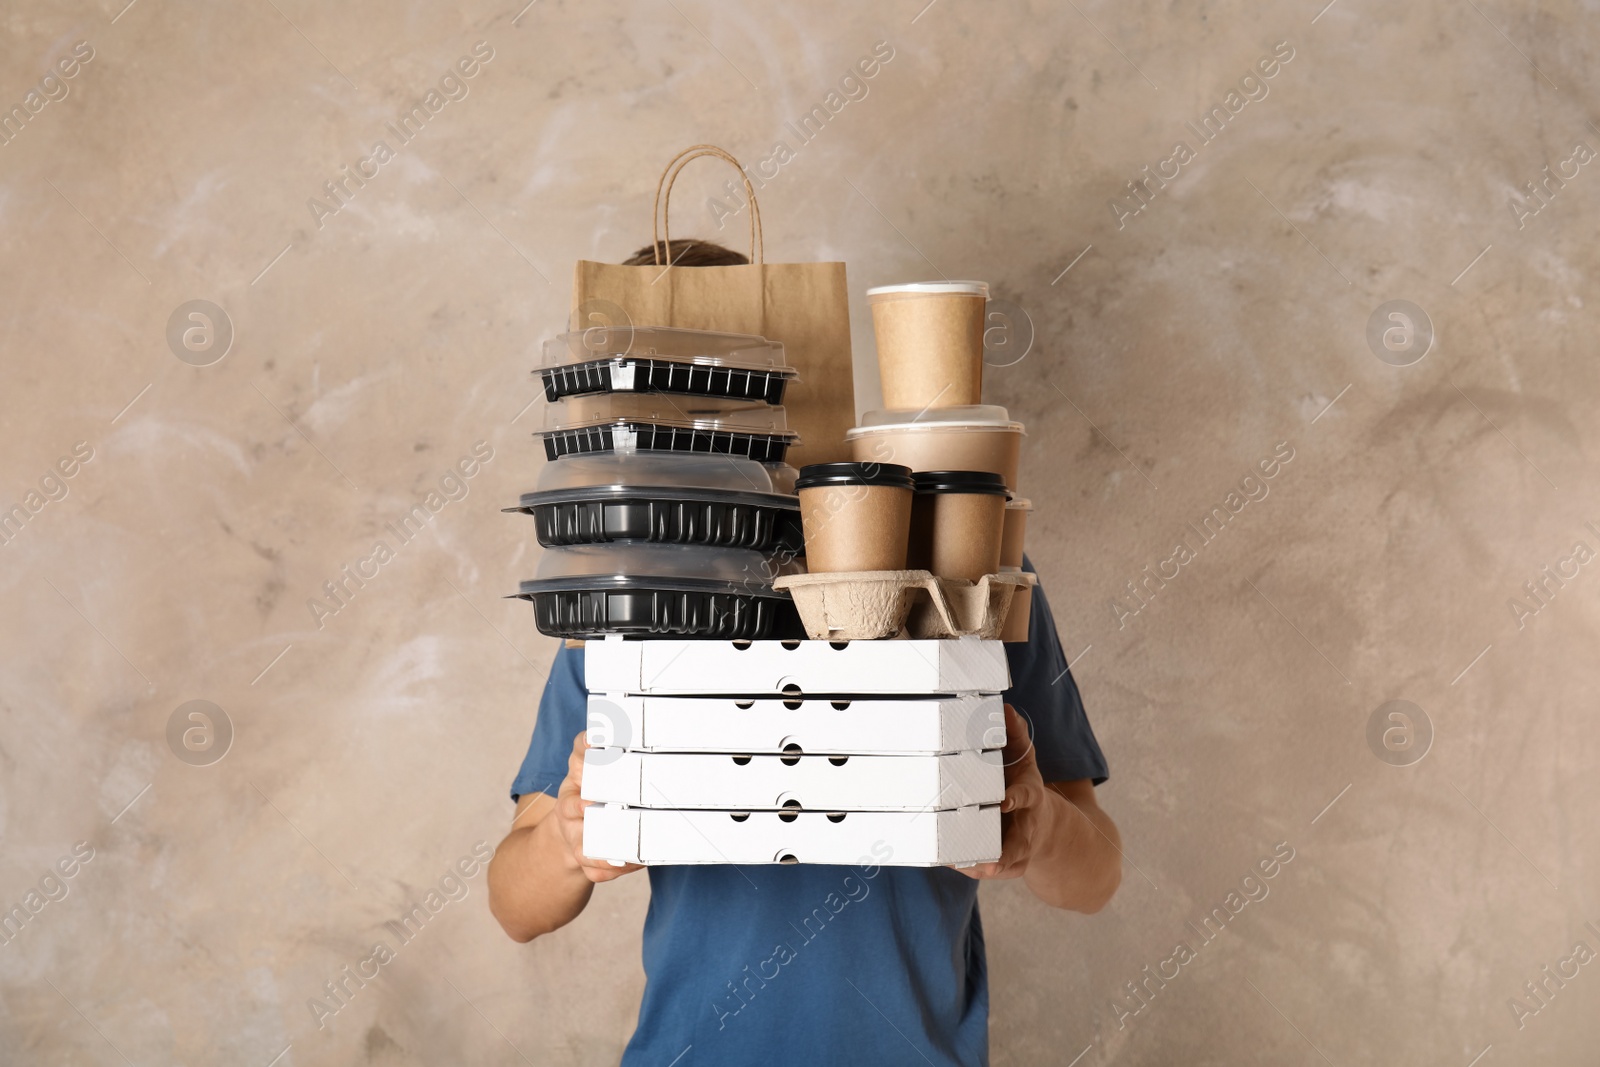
{"points": [[960, 837], [840, 725], [813, 783], [814, 668]]}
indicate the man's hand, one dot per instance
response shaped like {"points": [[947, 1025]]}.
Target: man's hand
{"points": [[1054, 835], [1023, 808], [568, 816]]}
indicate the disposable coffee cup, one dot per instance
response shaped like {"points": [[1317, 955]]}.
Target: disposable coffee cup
{"points": [[930, 342], [976, 438], [855, 516], [1015, 627], [1013, 532], [959, 519]]}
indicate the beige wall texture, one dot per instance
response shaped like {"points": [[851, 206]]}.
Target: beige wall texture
{"points": [[186, 498]]}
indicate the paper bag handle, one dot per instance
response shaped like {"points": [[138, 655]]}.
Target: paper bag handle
{"points": [[660, 224]]}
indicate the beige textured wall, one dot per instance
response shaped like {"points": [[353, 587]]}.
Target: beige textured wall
{"points": [[371, 352]]}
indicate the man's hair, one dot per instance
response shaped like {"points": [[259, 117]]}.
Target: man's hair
{"points": [[687, 252]]}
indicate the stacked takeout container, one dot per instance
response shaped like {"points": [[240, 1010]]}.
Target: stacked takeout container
{"points": [[666, 508], [666, 512]]}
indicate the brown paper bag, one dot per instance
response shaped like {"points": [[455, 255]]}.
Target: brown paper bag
{"points": [[804, 305]]}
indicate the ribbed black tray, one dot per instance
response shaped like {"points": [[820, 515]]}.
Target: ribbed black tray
{"points": [[763, 521], [664, 376], [652, 437], [644, 612]]}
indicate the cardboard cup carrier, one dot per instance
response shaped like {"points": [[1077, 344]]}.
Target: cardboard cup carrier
{"points": [[1014, 532], [930, 342], [855, 516], [1020, 612], [1012, 538], [977, 437]]}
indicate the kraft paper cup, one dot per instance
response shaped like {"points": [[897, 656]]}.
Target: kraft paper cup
{"points": [[1016, 624], [975, 438], [930, 342], [919, 541], [855, 516], [964, 515], [1013, 533]]}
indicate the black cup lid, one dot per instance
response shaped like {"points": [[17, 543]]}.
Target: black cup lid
{"points": [[816, 475], [984, 482]]}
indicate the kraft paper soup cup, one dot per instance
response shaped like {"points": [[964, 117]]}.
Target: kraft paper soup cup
{"points": [[1013, 532], [958, 518], [930, 342], [975, 438], [855, 516]]}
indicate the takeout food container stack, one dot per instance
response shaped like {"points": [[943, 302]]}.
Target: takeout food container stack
{"points": [[883, 752], [665, 508], [921, 535]]}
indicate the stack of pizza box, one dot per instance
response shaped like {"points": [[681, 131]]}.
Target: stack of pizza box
{"points": [[794, 751]]}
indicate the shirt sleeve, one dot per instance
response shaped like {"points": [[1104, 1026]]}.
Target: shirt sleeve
{"points": [[1043, 691], [563, 714]]}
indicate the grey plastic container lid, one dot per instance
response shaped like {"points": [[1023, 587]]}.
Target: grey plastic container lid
{"points": [[744, 351], [666, 409], [664, 470], [632, 564]]}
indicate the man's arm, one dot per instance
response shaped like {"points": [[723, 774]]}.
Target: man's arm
{"points": [[1077, 857], [539, 879], [1056, 837]]}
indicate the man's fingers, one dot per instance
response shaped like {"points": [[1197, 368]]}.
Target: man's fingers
{"points": [[1019, 739], [569, 805], [1016, 847], [1028, 793], [605, 872]]}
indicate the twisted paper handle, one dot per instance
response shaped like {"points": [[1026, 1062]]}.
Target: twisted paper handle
{"points": [[660, 224]]}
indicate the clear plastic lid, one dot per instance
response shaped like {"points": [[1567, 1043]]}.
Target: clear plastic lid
{"points": [[667, 409], [783, 477], [965, 417], [745, 351], [1020, 503], [633, 563], [665, 470], [921, 288]]}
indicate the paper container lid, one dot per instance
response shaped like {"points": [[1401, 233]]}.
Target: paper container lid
{"points": [[1020, 503], [817, 475], [964, 417], [984, 483], [655, 470], [664, 409], [739, 350], [623, 565], [931, 288]]}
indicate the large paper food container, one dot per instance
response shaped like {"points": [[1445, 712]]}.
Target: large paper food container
{"points": [[978, 437]]}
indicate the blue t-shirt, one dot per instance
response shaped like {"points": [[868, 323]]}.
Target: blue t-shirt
{"points": [[809, 964]]}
